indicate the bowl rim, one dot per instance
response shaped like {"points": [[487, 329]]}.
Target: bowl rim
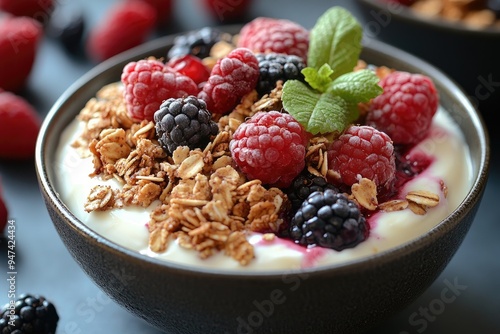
{"points": [[42, 163], [421, 20]]}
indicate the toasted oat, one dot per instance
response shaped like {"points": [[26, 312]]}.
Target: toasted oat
{"points": [[100, 198], [150, 178], [217, 211], [271, 101], [221, 49], [452, 12], [190, 167], [112, 145], [394, 205], [239, 248], [223, 161], [241, 209], [365, 193], [430, 8], [269, 236], [480, 18], [245, 108], [263, 217], [317, 156], [147, 192], [209, 237], [416, 208], [213, 230], [188, 202], [220, 145], [180, 153], [142, 130], [223, 182], [209, 62], [423, 197], [158, 240], [158, 217]]}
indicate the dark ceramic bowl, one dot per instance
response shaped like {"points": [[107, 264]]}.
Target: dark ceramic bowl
{"points": [[349, 297], [468, 55]]}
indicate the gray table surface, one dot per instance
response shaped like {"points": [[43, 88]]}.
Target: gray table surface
{"points": [[45, 267]]}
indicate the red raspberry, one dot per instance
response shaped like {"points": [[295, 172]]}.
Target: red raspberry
{"points": [[271, 147], [275, 35], [126, 25], [148, 83], [163, 10], [3, 212], [405, 109], [363, 152], [19, 126], [227, 10], [37, 9], [19, 38], [231, 78], [190, 66]]}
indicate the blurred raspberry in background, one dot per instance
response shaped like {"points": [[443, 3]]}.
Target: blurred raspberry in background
{"points": [[126, 25], [19, 127], [37, 9], [19, 37], [227, 10]]}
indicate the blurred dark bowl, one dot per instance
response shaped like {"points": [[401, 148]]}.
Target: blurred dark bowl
{"points": [[468, 55], [344, 298]]}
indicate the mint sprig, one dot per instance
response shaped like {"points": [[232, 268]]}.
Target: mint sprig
{"points": [[335, 40], [318, 79], [328, 102], [317, 112], [359, 86]]}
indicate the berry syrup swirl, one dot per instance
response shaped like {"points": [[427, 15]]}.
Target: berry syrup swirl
{"points": [[410, 163], [311, 255]]}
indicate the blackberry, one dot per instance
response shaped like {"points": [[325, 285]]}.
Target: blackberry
{"points": [[184, 122], [197, 43], [328, 219], [67, 25], [276, 66], [305, 184], [29, 314]]}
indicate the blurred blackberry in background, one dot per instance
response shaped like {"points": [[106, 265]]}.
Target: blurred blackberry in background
{"points": [[29, 314], [197, 43], [184, 122], [274, 67], [328, 219], [67, 25]]}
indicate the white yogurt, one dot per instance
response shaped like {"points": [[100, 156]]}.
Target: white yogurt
{"points": [[127, 226]]}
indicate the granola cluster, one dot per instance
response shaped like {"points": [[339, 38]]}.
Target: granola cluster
{"points": [[197, 197], [473, 13]]}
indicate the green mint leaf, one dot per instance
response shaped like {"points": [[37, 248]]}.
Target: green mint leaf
{"points": [[317, 112], [318, 79], [359, 86], [329, 101], [352, 112], [335, 40]]}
